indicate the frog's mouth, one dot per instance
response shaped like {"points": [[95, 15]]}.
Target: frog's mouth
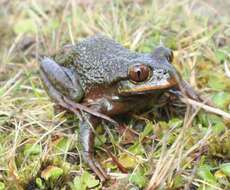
{"points": [[148, 88]]}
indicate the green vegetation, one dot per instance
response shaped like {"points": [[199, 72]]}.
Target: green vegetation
{"points": [[40, 148]]}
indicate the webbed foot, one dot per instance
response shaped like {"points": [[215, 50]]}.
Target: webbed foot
{"points": [[95, 166]]}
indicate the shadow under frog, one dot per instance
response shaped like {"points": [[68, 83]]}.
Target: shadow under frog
{"points": [[105, 78]]}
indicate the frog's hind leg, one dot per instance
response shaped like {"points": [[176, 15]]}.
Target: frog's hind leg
{"points": [[63, 79], [87, 142]]}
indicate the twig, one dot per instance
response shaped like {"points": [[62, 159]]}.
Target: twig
{"points": [[226, 69], [206, 107]]}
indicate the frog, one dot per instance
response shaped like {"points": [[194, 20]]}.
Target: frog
{"points": [[104, 79]]}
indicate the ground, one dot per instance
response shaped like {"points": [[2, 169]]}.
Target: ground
{"points": [[39, 148]]}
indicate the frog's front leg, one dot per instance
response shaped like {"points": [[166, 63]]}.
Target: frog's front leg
{"points": [[87, 141]]}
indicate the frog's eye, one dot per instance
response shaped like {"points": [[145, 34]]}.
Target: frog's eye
{"points": [[139, 72]]}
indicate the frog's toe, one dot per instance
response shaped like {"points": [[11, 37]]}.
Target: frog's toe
{"points": [[97, 169], [189, 91]]}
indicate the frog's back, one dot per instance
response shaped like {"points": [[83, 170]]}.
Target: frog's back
{"points": [[101, 60], [100, 45]]}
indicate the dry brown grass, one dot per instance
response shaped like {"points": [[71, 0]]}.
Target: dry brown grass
{"points": [[199, 33]]}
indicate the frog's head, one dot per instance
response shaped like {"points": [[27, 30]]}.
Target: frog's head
{"points": [[150, 73]]}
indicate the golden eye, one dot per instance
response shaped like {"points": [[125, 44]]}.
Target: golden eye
{"points": [[139, 72]]}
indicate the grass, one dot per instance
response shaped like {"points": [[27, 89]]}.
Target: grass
{"points": [[40, 148]]}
